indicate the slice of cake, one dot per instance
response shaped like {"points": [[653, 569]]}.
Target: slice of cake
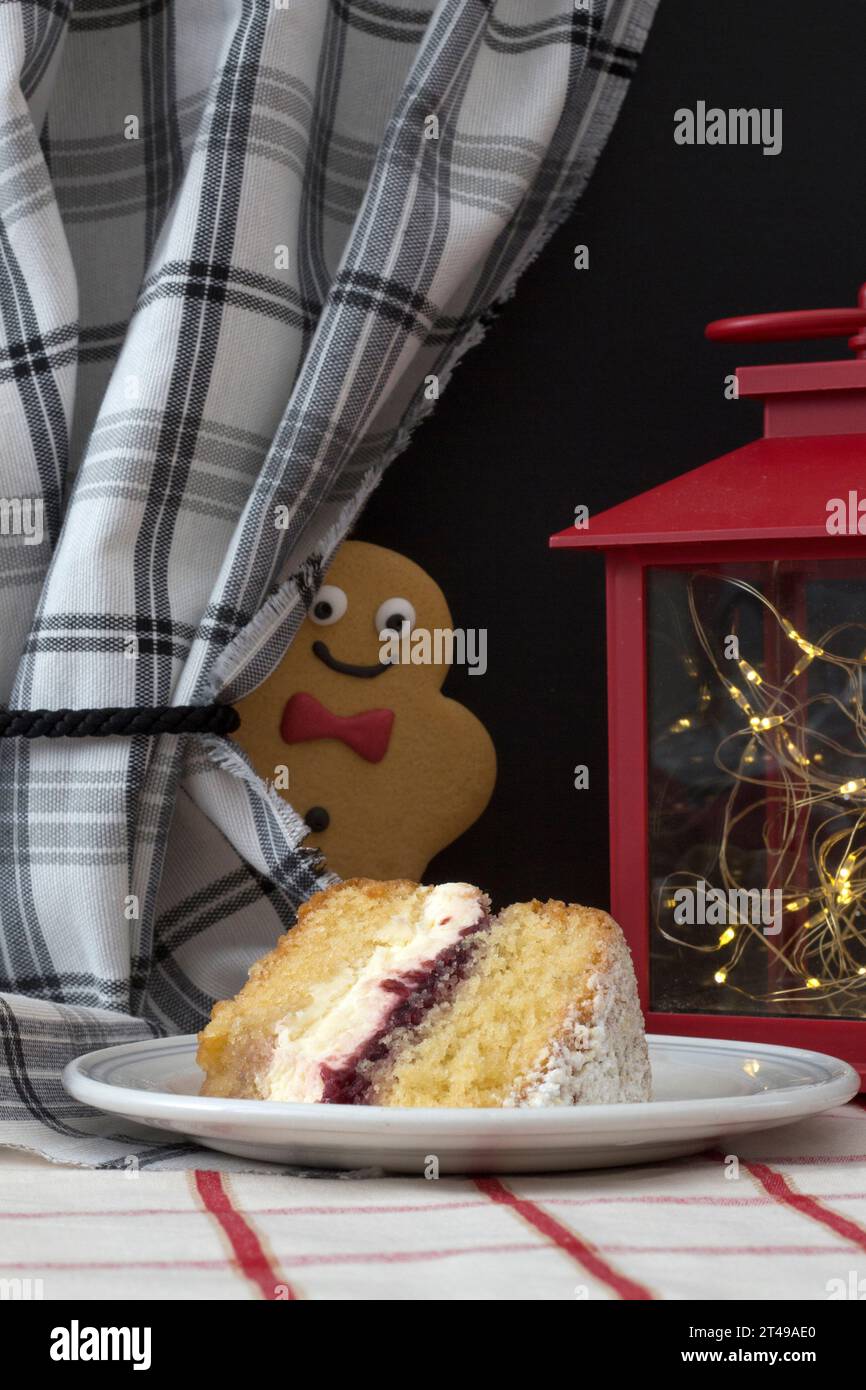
{"points": [[394, 994]]}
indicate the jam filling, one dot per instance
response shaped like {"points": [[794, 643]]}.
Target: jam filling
{"points": [[415, 994]]}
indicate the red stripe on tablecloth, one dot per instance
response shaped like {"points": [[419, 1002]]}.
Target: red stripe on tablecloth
{"points": [[351, 1257], [713, 1250], [396, 1257], [816, 1160], [714, 1156], [246, 1246], [564, 1239], [779, 1187], [647, 1199]]}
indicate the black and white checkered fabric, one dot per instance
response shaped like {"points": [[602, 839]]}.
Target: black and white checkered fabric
{"points": [[237, 238]]}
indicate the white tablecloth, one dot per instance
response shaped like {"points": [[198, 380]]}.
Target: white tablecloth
{"points": [[786, 1220]]}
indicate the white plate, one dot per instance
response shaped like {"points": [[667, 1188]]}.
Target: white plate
{"points": [[703, 1089]]}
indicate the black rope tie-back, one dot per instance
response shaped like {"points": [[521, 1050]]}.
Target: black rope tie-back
{"points": [[106, 723]]}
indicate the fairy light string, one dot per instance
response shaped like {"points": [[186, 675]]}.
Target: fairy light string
{"points": [[784, 775]]}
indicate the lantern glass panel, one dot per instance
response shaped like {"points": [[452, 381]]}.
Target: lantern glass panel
{"points": [[757, 788]]}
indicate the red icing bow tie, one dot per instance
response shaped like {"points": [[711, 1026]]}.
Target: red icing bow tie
{"points": [[367, 733]]}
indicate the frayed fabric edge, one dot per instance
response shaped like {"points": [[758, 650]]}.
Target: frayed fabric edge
{"points": [[227, 671], [230, 666], [228, 757]]}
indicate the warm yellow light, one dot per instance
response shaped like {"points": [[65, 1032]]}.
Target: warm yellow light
{"points": [[750, 673], [766, 721], [826, 917], [809, 648], [737, 695], [796, 754]]}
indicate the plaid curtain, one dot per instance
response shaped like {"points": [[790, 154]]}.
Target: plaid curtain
{"points": [[237, 238]]}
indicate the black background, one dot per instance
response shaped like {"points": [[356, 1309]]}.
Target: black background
{"points": [[595, 385]]}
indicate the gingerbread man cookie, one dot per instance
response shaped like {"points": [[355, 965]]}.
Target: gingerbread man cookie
{"points": [[385, 770]]}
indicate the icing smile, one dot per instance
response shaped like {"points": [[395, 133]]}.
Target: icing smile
{"points": [[346, 668]]}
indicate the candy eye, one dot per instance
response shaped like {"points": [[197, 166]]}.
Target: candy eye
{"points": [[395, 615], [329, 605]]}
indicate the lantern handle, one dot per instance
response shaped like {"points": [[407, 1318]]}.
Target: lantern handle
{"points": [[795, 325]]}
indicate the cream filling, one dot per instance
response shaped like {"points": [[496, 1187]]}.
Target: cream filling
{"points": [[347, 1010]]}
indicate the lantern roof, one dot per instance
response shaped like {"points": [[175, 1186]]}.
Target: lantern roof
{"points": [[772, 489], [806, 471]]}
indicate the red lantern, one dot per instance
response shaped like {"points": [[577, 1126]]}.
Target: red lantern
{"points": [[736, 613]]}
